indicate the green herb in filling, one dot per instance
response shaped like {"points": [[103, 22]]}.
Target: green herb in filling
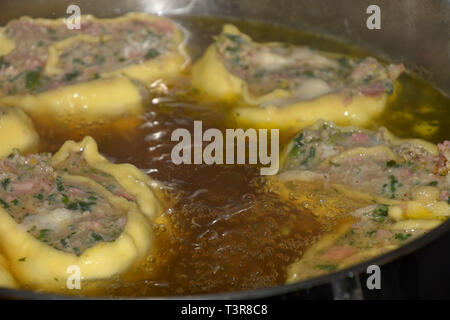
{"points": [[44, 235], [233, 37], [78, 60], [39, 196], [311, 155], [4, 204], [96, 237], [80, 205], [32, 79], [152, 53], [393, 185], [5, 182], [71, 76], [64, 242], [402, 236], [65, 199], [59, 184], [299, 140], [391, 163], [380, 213], [3, 62], [370, 233]]}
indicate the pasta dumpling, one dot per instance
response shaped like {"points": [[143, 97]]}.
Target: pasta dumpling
{"points": [[409, 175], [100, 70], [286, 86], [382, 190], [73, 209]]}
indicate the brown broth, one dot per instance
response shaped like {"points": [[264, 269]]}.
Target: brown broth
{"points": [[228, 229]]}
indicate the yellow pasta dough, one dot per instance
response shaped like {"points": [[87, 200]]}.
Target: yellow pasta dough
{"points": [[6, 278], [86, 102], [16, 132]]}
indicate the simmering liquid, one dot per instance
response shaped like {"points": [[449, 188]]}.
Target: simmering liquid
{"points": [[227, 227]]}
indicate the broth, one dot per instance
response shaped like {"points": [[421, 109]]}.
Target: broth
{"points": [[229, 228]]}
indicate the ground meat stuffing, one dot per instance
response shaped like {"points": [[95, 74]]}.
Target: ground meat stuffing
{"points": [[44, 201], [118, 45], [305, 72], [365, 160]]}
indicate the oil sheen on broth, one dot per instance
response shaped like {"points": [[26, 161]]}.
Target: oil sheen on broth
{"points": [[229, 229]]}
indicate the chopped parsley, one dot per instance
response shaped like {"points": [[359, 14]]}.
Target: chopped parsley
{"points": [[310, 157], [65, 199], [233, 37], [4, 204], [299, 140], [32, 79], [51, 197], [308, 74], [71, 76], [380, 213], [389, 87], [5, 183], [393, 185], [3, 62], [367, 79], [80, 205], [402, 236], [44, 234], [59, 184], [39, 196], [78, 60], [152, 53], [96, 237], [63, 242], [391, 163]]}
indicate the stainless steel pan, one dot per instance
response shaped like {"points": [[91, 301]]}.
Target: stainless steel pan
{"points": [[412, 31]]}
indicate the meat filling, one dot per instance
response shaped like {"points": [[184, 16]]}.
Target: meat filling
{"points": [[370, 161], [65, 213], [305, 72], [98, 47]]}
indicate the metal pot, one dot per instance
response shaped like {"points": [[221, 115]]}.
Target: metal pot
{"points": [[412, 31]]}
